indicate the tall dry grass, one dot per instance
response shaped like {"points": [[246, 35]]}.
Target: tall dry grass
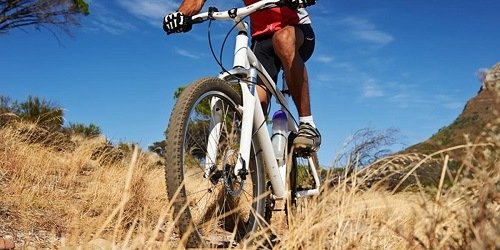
{"points": [[66, 199], [47, 194], [465, 214]]}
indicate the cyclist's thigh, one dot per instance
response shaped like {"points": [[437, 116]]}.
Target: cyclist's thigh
{"points": [[263, 50]]}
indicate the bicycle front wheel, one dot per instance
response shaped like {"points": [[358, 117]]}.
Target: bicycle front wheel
{"points": [[212, 206]]}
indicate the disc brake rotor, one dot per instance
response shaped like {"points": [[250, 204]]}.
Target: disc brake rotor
{"points": [[234, 184]]}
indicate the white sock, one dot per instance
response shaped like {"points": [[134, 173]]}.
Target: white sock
{"points": [[307, 119]]}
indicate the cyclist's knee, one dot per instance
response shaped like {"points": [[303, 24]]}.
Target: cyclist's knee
{"points": [[286, 39]]}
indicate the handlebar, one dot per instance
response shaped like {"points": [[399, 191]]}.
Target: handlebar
{"points": [[235, 13]]}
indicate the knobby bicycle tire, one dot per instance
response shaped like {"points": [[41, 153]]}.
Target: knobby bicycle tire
{"points": [[223, 209]]}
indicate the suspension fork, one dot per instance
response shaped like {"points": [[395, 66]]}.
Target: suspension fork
{"points": [[248, 109], [216, 122], [215, 133], [252, 117]]}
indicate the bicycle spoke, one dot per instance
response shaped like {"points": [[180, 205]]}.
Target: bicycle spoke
{"points": [[219, 207]]}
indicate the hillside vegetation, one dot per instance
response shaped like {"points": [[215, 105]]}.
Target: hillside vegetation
{"points": [[82, 197], [477, 128], [479, 113]]}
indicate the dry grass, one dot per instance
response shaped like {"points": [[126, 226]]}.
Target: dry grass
{"points": [[466, 214], [56, 199], [50, 194], [351, 218]]}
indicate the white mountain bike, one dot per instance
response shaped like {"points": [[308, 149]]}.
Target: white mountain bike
{"points": [[222, 171]]}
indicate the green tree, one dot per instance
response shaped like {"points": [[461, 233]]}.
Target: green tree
{"points": [[41, 112], [87, 131], [178, 92], [41, 13]]}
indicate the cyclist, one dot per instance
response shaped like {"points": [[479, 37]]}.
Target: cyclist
{"points": [[282, 37]]}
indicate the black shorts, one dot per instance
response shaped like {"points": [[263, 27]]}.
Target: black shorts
{"points": [[263, 49]]}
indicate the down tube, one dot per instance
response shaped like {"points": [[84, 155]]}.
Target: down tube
{"points": [[265, 147]]}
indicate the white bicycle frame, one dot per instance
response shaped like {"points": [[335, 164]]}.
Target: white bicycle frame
{"points": [[249, 69]]}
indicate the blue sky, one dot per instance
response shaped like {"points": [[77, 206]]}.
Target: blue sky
{"points": [[409, 65]]}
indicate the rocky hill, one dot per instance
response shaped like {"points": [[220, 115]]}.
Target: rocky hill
{"points": [[478, 116], [472, 140]]}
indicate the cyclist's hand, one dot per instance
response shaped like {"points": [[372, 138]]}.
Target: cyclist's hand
{"points": [[177, 22], [294, 4]]}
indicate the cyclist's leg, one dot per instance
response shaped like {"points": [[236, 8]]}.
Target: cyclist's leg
{"points": [[294, 45], [287, 43], [263, 50]]}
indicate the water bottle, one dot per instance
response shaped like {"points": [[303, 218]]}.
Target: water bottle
{"points": [[280, 136]]}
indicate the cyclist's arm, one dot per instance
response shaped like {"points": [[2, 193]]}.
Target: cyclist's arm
{"points": [[191, 7]]}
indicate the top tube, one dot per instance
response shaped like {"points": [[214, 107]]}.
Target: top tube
{"points": [[236, 13]]}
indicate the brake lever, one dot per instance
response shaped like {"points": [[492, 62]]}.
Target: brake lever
{"points": [[211, 11]]}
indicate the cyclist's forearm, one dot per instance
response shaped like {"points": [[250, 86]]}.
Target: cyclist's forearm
{"points": [[191, 7]]}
